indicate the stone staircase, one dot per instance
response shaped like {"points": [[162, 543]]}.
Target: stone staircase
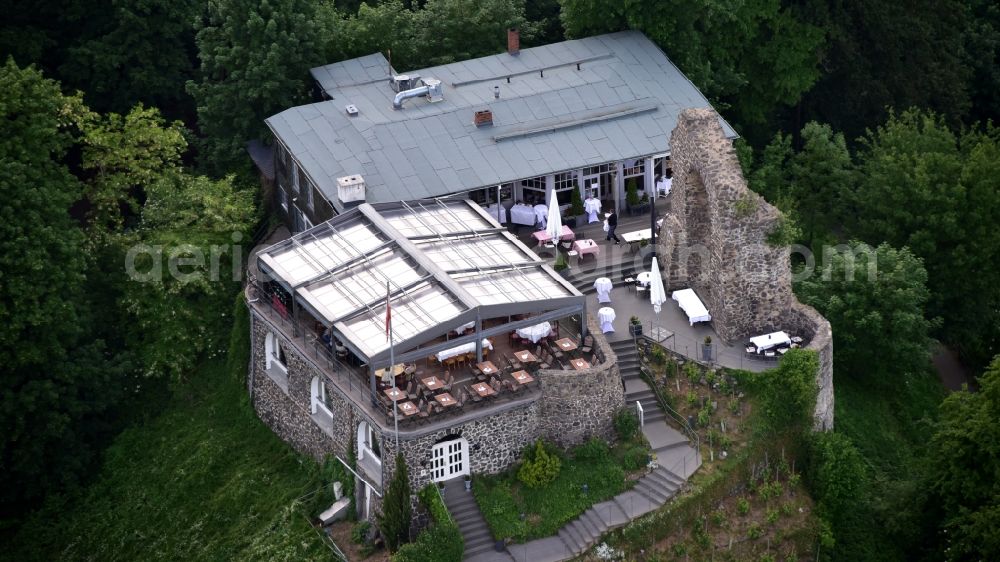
{"points": [[475, 533], [583, 277]]}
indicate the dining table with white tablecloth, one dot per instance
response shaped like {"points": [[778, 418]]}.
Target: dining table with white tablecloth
{"points": [[593, 208], [522, 214], [603, 287], [691, 305], [492, 211], [467, 326], [768, 341], [464, 348], [605, 317], [541, 215], [536, 332]]}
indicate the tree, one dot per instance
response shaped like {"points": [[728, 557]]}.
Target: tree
{"points": [[880, 331], [964, 463], [788, 393], [396, 508], [922, 187], [183, 261], [822, 180], [888, 54], [143, 54], [756, 56], [837, 478], [123, 155], [255, 57], [56, 382]]}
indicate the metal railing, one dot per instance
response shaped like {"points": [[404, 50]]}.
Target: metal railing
{"points": [[640, 413], [664, 404]]}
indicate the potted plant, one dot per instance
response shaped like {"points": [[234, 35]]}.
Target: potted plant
{"points": [[706, 349], [576, 210], [468, 483], [631, 195], [635, 326], [560, 265]]}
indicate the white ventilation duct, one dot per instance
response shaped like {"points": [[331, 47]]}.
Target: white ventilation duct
{"points": [[431, 89]]}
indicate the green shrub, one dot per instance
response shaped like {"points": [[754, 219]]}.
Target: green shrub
{"points": [[658, 356], [626, 424], [754, 532], [772, 516], [705, 416], [437, 543], [593, 449], [359, 533], [692, 372], [692, 398], [542, 469], [576, 203], [635, 458], [396, 511], [631, 192], [435, 506], [743, 506]]}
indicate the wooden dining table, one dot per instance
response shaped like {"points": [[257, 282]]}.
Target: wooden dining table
{"points": [[487, 367], [445, 399], [579, 364], [482, 389], [395, 394], [432, 383], [525, 356], [522, 377], [565, 344], [407, 408]]}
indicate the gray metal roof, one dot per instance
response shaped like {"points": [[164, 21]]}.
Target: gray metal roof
{"points": [[622, 103]]}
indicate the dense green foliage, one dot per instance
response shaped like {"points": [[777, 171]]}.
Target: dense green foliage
{"points": [[442, 541], [964, 471], [255, 56], [539, 467], [875, 300], [394, 521], [626, 424], [502, 498], [787, 394]]}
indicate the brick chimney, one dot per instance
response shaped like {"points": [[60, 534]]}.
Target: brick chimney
{"points": [[483, 118], [513, 42]]}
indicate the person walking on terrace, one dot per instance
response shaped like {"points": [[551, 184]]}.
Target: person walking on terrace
{"points": [[612, 221]]}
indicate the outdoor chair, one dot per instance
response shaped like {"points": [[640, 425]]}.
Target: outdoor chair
{"points": [[448, 381], [411, 390], [431, 360], [588, 344], [556, 353], [423, 411], [752, 349], [475, 397]]}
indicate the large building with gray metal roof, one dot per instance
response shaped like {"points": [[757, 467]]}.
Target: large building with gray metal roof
{"points": [[589, 114]]}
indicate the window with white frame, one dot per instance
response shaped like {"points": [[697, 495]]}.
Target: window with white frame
{"points": [[563, 186], [533, 190], [283, 197], [309, 194], [274, 355], [632, 168], [320, 400]]}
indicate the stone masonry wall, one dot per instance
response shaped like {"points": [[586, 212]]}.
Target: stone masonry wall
{"points": [[577, 405], [715, 241]]}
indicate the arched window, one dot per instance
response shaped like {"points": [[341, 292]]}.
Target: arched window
{"points": [[320, 401], [274, 355]]}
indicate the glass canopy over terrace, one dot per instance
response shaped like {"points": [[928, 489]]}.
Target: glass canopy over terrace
{"points": [[446, 263]]}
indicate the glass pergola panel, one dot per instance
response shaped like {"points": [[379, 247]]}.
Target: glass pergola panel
{"points": [[361, 284], [470, 252], [421, 308], [435, 218], [320, 249], [523, 285]]}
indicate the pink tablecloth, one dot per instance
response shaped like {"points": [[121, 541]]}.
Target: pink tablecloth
{"points": [[587, 246], [542, 237]]}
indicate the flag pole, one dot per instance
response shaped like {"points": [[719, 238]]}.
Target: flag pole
{"points": [[392, 365]]}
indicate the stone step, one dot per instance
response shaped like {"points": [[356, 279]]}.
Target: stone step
{"points": [[651, 492], [572, 544], [586, 532], [668, 480], [595, 520]]}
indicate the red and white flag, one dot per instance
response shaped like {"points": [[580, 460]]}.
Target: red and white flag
{"points": [[388, 312]]}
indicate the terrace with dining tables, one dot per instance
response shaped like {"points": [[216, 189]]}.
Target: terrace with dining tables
{"points": [[422, 311]]}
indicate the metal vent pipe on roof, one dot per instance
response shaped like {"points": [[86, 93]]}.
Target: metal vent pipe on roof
{"points": [[431, 89], [496, 92]]}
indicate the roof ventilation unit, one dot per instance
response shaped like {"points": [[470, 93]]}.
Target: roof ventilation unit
{"points": [[352, 110], [403, 82], [351, 188], [430, 88]]}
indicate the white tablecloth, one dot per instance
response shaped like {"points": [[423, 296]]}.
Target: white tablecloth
{"points": [[492, 211], [605, 317], [663, 186], [603, 287], [643, 278], [541, 214], [464, 348], [638, 235], [691, 305], [592, 207], [522, 214], [536, 332], [767, 341], [461, 329]]}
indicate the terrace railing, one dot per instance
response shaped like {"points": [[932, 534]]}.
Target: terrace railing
{"points": [[661, 399]]}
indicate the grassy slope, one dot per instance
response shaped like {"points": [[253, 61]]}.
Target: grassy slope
{"points": [[205, 480], [889, 430]]}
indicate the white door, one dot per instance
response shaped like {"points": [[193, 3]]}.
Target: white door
{"points": [[449, 459]]}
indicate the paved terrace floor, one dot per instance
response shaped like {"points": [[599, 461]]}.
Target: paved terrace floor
{"points": [[612, 262]]}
